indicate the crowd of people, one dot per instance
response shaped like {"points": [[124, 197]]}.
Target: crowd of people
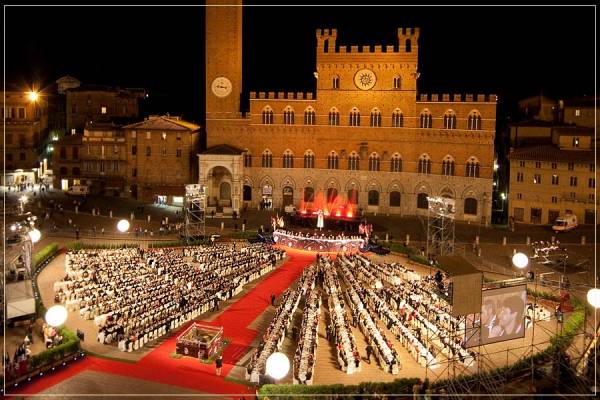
{"points": [[171, 286], [339, 331], [319, 241], [318, 235], [304, 359], [420, 319], [275, 334], [360, 301]]}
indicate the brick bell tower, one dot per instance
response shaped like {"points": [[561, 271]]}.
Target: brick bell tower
{"points": [[223, 60]]}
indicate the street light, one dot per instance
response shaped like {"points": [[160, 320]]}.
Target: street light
{"points": [[123, 225], [593, 297], [56, 316], [278, 365], [33, 96], [35, 235], [520, 260]]}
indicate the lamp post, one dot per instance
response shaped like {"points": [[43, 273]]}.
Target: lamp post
{"points": [[123, 225], [277, 366], [56, 316]]}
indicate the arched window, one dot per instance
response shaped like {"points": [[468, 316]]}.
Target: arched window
{"points": [[394, 199], [267, 159], [247, 159], [288, 159], [333, 161], [450, 120], [373, 198], [76, 171], [396, 163], [288, 196], [471, 206], [426, 119], [374, 162], [353, 196], [474, 121], [472, 168], [334, 117], [354, 117], [397, 118], [336, 82], [396, 83], [353, 161], [247, 193], [309, 159], [448, 166], [424, 164], [309, 116], [267, 115], [309, 194], [288, 116], [422, 202], [375, 118], [331, 194]]}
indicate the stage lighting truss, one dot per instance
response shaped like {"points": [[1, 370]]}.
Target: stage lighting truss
{"points": [[194, 206], [440, 226]]}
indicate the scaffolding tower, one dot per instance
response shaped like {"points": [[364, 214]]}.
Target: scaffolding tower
{"points": [[440, 226], [194, 226]]}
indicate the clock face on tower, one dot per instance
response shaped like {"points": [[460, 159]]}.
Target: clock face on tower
{"points": [[221, 86], [365, 79]]}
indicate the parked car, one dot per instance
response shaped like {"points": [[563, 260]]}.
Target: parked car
{"points": [[78, 190], [565, 223]]}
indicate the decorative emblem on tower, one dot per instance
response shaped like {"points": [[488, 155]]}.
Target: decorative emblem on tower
{"points": [[365, 79]]}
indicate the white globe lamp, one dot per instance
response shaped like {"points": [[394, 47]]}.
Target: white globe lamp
{"points": [[123, 225], [593, 297], [520, 260], [35, 235], [278, 365], [56, 316]]}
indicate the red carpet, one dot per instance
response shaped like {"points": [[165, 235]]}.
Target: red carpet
{"points": [[187, 372]]}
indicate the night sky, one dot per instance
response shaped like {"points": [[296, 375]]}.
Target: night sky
{"points": [[514, 52]]}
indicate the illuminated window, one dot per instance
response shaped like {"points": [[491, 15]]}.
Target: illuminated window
{"points": [[375, 118], [353, 162], [334, 117], [333, 161], [448, 166], [396, 163], [288, 116], [425, 120], [424, 164], [309, 159], [474, 121], [397, 118], [472, 168], [354, 117], [374, 162], [449, 120], [103, 110]]}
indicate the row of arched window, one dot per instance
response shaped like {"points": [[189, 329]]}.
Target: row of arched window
{"points": [[470, 203], [375, 120], [448, 165]]}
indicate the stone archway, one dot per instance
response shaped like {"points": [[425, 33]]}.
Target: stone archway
{"points": [[218, 188]]}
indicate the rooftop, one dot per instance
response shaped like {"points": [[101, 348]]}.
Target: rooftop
{"points": [[164, 122], [552, 153]]}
